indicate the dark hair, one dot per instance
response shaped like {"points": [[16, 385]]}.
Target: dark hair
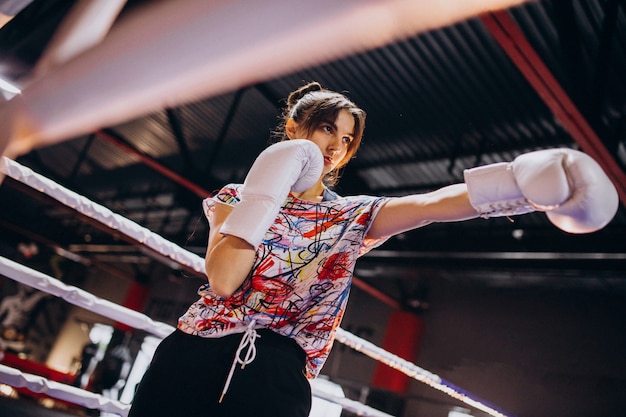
{"points": [[310, 106]]}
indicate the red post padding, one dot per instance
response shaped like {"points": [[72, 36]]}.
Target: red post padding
{"points": [[402, 337], [135, 299]]}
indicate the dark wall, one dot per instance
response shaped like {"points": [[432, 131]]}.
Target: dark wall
{"points": [[532, 351]]}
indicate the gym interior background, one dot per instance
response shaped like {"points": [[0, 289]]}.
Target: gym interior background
{"points": [[514, 310]]}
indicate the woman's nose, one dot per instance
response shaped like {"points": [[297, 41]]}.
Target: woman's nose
{"points": [[334, 144], [333, 149]]}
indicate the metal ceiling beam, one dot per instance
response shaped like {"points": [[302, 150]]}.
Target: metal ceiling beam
{"points": [[407, 264], [81, 158], [376, 293], [173, 118], [609, 25], [512, 40], [543, 256], [116, 140], [228, 121]]}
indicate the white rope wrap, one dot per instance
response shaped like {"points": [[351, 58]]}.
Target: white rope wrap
{"points": [[102, 214], [35, 383], [174, 252]]}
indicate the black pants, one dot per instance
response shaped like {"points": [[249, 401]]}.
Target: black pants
{"points": [[188, 372]]}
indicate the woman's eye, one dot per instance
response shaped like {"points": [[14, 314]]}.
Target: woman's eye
{"points": [[327, 129], [347, 140]]}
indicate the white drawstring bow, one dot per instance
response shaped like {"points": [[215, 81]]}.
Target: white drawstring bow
{"points": [[248, 339]]}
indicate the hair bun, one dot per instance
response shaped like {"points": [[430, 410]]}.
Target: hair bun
{"points": [[302, 91]]}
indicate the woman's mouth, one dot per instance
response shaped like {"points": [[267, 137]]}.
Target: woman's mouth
{"points": [[328, 160]]}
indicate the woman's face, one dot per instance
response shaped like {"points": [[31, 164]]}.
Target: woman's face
{"points": [[333, 137]]}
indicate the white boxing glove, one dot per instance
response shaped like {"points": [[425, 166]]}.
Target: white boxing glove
{"points": [[289, 165], [567, 184]]}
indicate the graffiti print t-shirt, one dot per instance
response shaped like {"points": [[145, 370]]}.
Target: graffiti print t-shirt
{"points": [[301, 277]]}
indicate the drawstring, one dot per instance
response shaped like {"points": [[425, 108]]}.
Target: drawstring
{"points": [[248, 339]]}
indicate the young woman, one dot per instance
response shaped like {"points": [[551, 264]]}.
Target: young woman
{"points": [[282, 248]]}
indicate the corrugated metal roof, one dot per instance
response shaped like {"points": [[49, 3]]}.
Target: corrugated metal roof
{"points": [[437, 102]]}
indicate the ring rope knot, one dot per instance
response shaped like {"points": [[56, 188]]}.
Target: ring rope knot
{"points": [[247, 341]]}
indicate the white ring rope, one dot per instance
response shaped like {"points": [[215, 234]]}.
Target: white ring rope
{"points": [[38, 384], [41, 385], [348, 404], [90, 302], [82, 298], [184, 257], [413, 371], [101, 214]]}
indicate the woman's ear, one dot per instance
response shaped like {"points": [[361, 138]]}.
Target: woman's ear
{"points": [[290, 128]]}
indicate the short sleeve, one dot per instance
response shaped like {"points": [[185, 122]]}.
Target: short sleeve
{"points": [[369, 243], [229, 194]]}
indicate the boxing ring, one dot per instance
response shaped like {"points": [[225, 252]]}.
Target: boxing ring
{"points": [[134, 319], [94, 94]]}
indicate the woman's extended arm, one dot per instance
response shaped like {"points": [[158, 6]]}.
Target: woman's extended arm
{"points": [[572, 188], [400, 214], [228, 259]]}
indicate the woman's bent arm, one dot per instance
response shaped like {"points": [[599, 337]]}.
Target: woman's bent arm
{"points": [[228, 259]]}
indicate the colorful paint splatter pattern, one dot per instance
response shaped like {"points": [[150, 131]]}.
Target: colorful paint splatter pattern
{"points": [[301, 277]]}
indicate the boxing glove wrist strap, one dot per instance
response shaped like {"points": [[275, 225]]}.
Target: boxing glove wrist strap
{"points": [[493, 191]]}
